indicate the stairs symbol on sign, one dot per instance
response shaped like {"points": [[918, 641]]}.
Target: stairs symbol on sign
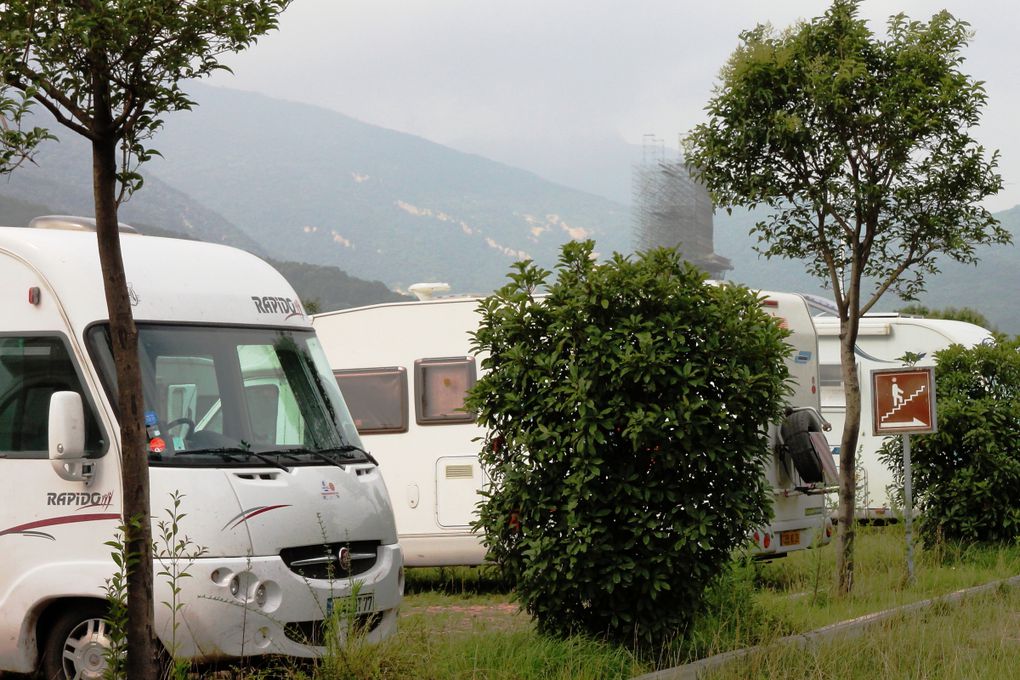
{"points": [[918, 392]]}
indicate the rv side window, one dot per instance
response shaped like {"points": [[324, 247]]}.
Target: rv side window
{"points": [[440, 386], [31, 370], [377, 398]]}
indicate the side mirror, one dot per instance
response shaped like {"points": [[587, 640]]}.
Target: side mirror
{"points": [[67, 437]]}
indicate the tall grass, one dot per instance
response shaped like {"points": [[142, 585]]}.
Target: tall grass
{"points": [[469, 582], [519, 654], [788, 589]]}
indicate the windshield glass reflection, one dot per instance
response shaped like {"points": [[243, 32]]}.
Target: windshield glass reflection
{"points": [[237, 396]]}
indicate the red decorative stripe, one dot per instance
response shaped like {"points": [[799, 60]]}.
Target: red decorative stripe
{"points": [[66, 519], [258, 511]]}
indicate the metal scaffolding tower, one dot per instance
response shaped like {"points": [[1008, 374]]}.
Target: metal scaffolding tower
{"points": [[672, 209]]}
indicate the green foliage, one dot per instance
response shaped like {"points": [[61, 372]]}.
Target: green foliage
{"points": [[859, 144], [17, 144], [115, 587], [175, 554], [731, 617], [966, 314], [966, 476], [626, 418], [467, 582], [110, 69], [860, 148]]}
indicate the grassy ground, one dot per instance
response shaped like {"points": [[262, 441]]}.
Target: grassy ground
{"points": [[795, 595], [460, 624], [978, 638], [800, 591]]}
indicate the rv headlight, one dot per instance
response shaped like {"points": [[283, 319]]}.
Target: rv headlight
{"points": [[235, 586], [260, 595]]}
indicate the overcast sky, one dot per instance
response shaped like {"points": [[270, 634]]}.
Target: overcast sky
{"points": [[486, 75]]}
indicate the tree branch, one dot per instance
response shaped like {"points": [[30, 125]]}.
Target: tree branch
{"points": [[830, 262], [54, 100], [908, 261]]}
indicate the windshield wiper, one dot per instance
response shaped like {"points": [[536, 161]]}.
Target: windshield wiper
{"points": [[289, 452], [350, 448], [226, 452], [293, 454], [326, 459], [344, 451]]}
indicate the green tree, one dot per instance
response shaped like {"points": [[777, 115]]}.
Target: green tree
{"points": [[966, 476], [108, 70], [859, 146], [951, 313], [626, 417]]}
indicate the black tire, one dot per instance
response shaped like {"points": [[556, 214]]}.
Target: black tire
{"points": [[75, 644], [795, 431]]}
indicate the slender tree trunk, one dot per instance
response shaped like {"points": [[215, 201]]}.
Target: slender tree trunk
{"points": [[848, 456], [142, 661]]}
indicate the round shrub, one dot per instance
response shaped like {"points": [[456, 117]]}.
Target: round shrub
{"points": [[626, 414], [966, 476]]}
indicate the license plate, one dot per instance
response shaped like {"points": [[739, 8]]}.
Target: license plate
{"points": [[364, 604], [789, 538]]}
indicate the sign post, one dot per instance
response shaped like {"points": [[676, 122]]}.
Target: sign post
{"points": [[903, 403]]}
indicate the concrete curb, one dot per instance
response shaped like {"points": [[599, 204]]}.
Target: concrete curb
{"points": [[846, 629]]}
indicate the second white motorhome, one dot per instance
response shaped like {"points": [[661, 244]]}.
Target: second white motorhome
{"points": [[882, 340], [246, 426], [405, 369]]}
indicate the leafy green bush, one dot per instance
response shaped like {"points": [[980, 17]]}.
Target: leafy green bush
{"points": [[966, 476], [967, 314], [626, 415]]}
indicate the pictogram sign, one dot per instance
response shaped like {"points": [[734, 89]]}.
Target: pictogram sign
{"points": [[903, 401]]}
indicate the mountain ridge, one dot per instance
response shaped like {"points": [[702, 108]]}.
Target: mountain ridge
{"points": [[979, 286], [377, 203], [305, 184], [320, 288]]}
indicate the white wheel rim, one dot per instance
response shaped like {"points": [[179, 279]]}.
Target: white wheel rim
{"points": [[84, 651]]}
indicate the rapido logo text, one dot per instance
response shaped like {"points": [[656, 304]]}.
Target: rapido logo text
{"points": [[271, 304], [81, 500]]}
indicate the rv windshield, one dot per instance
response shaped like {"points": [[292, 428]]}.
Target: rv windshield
{"points": [[219, 396]]}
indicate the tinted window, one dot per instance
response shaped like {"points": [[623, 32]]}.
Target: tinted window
{"points": [[440, 386], [31, 370], [377, 398]]}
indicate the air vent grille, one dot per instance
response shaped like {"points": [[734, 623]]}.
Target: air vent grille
{"points": [[460, 472]]}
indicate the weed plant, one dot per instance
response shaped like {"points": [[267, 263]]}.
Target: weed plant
{"points": [[732, 613], [175, 554], [115, 587]]}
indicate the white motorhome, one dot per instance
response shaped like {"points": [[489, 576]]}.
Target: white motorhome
{"points": [[882, 340], [405, 368], [245, 422]]}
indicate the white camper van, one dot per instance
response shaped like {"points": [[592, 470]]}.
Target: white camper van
{"points": [[882, 340], [405, 368], [245, 422]]}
